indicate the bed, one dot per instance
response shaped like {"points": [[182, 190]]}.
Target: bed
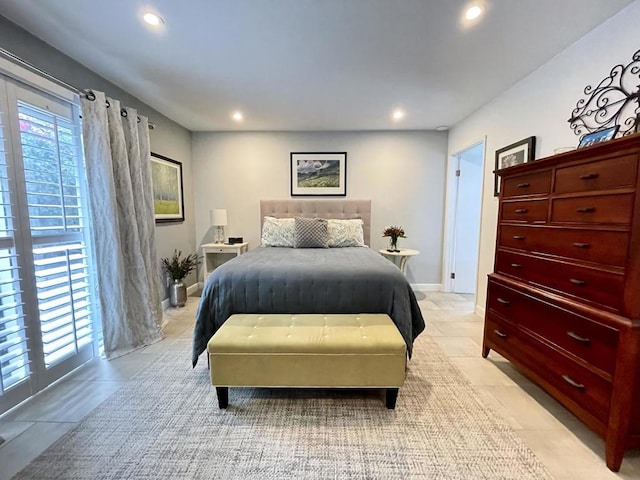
{"points": [[269, 279]]}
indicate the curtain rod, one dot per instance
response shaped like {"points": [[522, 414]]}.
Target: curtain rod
{"points": [[34, 69], [89, 95], [29, 66]]}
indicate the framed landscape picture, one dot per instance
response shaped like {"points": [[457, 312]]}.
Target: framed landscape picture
{"points": [[599, 136], [318, 174], [168, 199], [514, 154]]}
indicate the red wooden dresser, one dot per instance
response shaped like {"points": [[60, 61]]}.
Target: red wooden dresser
{"points": [[563, 302]]}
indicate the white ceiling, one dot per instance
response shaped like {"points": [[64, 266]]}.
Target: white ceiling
{"points": [[311, 64]]}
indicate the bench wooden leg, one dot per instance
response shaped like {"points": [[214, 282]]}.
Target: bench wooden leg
{"points": [[392, 396], [223, 396]]}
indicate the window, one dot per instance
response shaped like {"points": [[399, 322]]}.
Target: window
{"points": [[14, 360], [47, 313]]}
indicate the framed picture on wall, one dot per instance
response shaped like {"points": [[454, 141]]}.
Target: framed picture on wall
{"points": [[168, 198], [519, 152], [318, 174]]}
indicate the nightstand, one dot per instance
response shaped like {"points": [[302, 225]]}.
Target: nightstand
{"points": [[403, 254], [215, 254]]}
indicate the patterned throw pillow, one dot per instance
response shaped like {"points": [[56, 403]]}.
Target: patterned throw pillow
{"points": [[311, 233], [345, 233], [278, 232]]}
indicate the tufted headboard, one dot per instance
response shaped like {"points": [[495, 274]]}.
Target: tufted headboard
{"points": [[320, 209]]}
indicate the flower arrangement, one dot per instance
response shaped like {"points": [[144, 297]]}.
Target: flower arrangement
{"points": [[178, 267], [394, 233]]}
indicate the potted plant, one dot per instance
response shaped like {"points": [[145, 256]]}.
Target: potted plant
{"points": [[393, 233], [177, 268]]}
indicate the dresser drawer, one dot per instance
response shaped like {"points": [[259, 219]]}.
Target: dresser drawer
{"points": [[612, 209], [529, 184], [502, 334], [587, 389], [597, 246], [591, 341], [525, 210], [600, 175], [591, 284]]}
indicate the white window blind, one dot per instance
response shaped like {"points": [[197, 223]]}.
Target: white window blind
{"points": [[52, 163], [14, 359], [48, 322]]}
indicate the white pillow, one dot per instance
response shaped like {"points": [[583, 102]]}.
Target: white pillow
{"points": [[345, 233], [278, 232]]}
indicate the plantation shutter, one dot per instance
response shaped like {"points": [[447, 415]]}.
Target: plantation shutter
{"points": [[49, 324], [14, 359], [52, 160]]}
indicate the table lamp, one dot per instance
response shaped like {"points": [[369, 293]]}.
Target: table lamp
{"points": [[219, 220]]}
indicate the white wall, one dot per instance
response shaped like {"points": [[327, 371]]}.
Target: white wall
{"points": [[540, 105], [402, 172]]}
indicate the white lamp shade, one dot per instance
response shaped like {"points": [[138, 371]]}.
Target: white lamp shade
{"points": [[218, 217]]}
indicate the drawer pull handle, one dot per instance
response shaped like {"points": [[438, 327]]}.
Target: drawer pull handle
{"points": [[572, 382], [516, 265], [500, 334], [578, 338], [504, 302], [575, 281], [586, 210], [581, 245], [521, 210], [518, 237], [523, 185], [589, 176]]}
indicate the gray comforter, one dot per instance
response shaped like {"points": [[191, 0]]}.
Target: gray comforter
{"points": [[310, 280]]}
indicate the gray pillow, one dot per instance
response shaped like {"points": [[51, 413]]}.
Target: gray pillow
{"points": [[311, 233]]}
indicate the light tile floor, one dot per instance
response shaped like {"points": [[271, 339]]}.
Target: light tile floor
{"points": [[567, 448]]}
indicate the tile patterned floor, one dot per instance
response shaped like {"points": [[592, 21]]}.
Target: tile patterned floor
{"points": [[569, 450]]}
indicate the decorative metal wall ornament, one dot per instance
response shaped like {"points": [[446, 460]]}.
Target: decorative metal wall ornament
{"points": [[615, 101]]}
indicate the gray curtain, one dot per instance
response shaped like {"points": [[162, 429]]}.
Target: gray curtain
{"points": [[117, 152]]}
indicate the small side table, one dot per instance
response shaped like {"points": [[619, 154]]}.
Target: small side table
{"points": [[215, 254], [403, 255]]}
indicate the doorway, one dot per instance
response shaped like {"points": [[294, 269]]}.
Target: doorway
{"points": [[464, 210]]}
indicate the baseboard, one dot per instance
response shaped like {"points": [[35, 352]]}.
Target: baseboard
{"points": [[193, 288], [165, 304], [426, 287]]}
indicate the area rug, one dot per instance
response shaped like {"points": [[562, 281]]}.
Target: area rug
{"points": [[165, 424]]}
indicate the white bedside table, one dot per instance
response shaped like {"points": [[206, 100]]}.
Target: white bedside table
{"points": [[403, 255], [215, 254]]}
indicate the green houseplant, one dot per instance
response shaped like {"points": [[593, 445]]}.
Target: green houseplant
{"points": [[177, 268]]}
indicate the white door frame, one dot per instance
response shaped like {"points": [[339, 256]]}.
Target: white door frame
{"points": [[451, 198]]}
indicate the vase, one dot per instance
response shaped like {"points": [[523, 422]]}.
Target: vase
{"points": [[178, 294], [393, 245]]}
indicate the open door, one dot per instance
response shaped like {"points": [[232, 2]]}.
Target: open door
{"points": [[464, 215]]}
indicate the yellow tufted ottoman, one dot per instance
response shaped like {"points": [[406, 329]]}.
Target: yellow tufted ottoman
{"points": [[284, 350]]}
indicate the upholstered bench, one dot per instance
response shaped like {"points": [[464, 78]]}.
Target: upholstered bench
{"points": [[323, 351]]}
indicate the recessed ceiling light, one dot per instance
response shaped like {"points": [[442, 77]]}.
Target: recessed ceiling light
{"points": [[473, 12], [237, 116], [442, 128], [398, 114], [153, 19]]}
